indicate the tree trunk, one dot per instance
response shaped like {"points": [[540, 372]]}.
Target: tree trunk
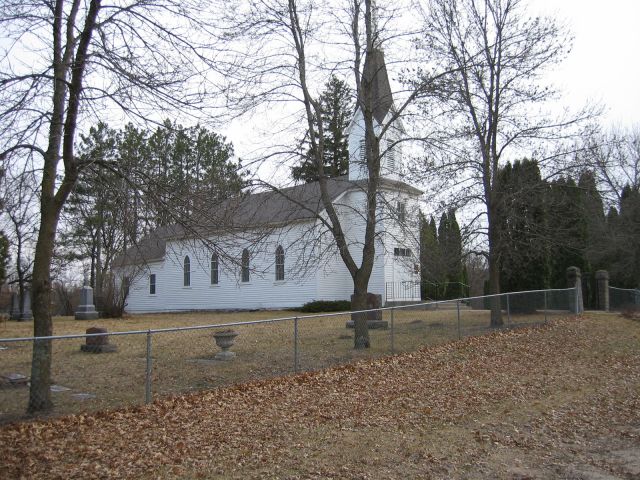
{"points": [[494, 268], [40, 394], [359, 302]]}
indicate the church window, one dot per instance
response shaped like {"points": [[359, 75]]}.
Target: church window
{"points": [[245, 265], [402, 252], [391, 155], [215, 269], [401, 209], [186, 270], [152, 284], [279, 263]]}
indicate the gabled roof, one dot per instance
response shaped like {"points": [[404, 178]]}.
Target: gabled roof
{"points": [[271, 208]]}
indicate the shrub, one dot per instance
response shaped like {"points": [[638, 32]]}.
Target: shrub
{"points": [[113, 300], [320, 306]]}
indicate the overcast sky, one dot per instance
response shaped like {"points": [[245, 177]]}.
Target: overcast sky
{"points": [[603, 67], [605, 62]]}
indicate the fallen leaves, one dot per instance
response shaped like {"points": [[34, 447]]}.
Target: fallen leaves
{"points": [[286, 424]]}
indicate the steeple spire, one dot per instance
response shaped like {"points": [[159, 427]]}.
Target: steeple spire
{"points": [[374, 25], [375, 70]]}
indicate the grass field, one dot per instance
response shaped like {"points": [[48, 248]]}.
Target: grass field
{"points": [[183, 361], [560, 401]]}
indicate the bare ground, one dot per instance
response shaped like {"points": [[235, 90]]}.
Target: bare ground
{"points": [[561, 401]]}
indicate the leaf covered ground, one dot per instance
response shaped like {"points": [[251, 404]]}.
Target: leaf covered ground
{"points": [[561, 401]]}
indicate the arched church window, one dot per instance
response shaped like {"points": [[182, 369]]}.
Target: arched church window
{"points": [[215, 269], [279, 263], [186, 269], [245, 265]]}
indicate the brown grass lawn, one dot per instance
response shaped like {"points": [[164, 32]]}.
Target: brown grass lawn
{"points": [[558, 401], [183, 361]]}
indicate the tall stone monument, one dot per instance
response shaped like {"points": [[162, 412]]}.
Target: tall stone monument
{"points": [[26, 314], [15, 306], [86, 310], [23, 314]]}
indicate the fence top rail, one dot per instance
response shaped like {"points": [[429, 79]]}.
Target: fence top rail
{"points": [[269, 320], [625, 289]]}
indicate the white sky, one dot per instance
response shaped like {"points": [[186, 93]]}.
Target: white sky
{"points": [[604, 65]]}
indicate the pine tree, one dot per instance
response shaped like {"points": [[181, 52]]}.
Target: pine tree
{"points": [[450, 244], [178, 172], [566, 230], [430, 258], [596, 232], [522, 220], [337, 108], [628, 272]]}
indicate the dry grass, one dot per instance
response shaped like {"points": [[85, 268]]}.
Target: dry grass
{"points": [[183, 361]]}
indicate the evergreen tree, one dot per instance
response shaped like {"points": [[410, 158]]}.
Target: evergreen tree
{"points": [[450, 245], [178, 172], [628, 265], [192, 169], [95, 214], [336, 103], [430, 258], [596, 246], [566, 230], [521, 218]]}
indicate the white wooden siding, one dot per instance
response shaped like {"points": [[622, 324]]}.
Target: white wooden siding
{"points": [[262, 291]]}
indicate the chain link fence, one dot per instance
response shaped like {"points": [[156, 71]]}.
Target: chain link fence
{"points": [[623, 299], [99, 370]]}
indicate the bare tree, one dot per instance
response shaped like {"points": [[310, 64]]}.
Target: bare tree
{"points": [[295, 47], [19, 201], [614, 157], [64, 62], [492, 104]]}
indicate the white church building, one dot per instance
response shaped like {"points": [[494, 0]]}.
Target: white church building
{"points": [[273, 249]]}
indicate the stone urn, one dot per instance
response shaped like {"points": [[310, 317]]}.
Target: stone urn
{"points": [[225, 339]]}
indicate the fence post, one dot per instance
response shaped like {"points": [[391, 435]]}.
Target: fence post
{"points": [[574, 280], [458, 309], [508, 312], [295, 344], [545, 307], [147, 384], [393, 345]]}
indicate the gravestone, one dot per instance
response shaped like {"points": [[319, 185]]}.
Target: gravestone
{"points": [[14, 380], [83, 396], [15, 306], [98, 344], [602, 282], [86, 310], [26, 314], [374, 317]]}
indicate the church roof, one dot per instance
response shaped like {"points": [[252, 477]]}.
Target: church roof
{"points": [[375, 74], [297, 203]]}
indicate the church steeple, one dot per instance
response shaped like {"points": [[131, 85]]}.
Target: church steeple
{"points": [[375, 76], [376, 80]]}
